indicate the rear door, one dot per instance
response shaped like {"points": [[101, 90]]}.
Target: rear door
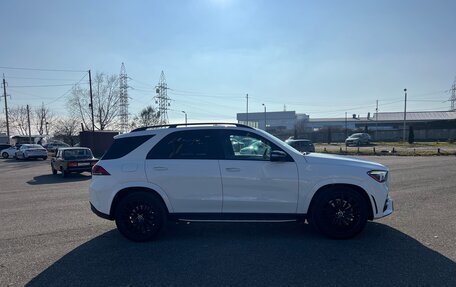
{"points": [[185, 165], [251, 182]]}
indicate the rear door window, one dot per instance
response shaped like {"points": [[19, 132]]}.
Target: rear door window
{"points": [[194, 144], [123, 146]]}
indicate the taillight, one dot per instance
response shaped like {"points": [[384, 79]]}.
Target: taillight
{"points": [[71, 163], [99, 170]]}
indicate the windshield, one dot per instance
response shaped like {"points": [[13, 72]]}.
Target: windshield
{"points": [[77, 154]]}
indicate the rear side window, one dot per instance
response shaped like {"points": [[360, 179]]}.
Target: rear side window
{"points": [[123, 146], [199, 144]]}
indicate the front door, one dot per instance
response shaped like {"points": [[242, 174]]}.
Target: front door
{"points": [[251, 182]]}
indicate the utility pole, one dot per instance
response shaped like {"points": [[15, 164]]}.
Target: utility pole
{"points": [[185, 117], [123, 87], [453, 96], [247, 97], [346, 125], [91, 101], [28, 122], [162, 99], [405, 114], [6, 108], [376, 121], [264, 116]]}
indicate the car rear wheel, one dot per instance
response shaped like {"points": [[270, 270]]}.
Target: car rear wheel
{"points": [[140, 216], [5, 155], [339, 213], [64, 173]]}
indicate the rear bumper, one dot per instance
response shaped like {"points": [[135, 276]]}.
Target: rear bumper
{"points": [[99, 213], [79, 168], [36, 156]]}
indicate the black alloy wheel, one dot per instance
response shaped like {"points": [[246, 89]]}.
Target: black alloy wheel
{"points": [[339, 214], [140, 216], [5, 155]]}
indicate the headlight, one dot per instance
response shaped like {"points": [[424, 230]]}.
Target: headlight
{"points": [[378, 175]]}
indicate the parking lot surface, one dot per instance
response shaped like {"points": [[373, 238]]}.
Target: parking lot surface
{"points": [[49, 237]]}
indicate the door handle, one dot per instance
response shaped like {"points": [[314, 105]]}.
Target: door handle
{"points": [[160, 168], [232, 169]]}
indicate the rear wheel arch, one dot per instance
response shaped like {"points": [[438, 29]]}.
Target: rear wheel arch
{"points": [[129, 190], [356, 188]]}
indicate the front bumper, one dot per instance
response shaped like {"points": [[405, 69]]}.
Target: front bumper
{"points": [[388, 208]]}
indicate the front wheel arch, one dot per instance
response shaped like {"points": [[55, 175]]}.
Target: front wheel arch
{"points": [[357, 188], [126, 191]]}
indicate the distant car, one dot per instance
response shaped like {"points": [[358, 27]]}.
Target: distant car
{"points": [[301, 145], [358, 139], [29, 151], [256, 148], [53, 147], [4, 146], [8, 151], [73, 159]]}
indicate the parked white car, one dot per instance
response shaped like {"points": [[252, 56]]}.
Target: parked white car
{"points": [[193, 172], [29, 151], [8, 152]]}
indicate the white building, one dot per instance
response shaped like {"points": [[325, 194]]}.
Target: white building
{"points": [[285, 120]]}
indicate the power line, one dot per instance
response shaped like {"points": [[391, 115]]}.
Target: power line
{"points": [[42, 86], [43, 70], [41, 79], [70, 89]]}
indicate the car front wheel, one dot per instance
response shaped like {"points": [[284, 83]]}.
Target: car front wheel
{"points": [[54, 171], [140, 216], [339, 213], [5, 155]]}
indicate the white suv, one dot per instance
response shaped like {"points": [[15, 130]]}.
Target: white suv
{"points": [[198, 173]]}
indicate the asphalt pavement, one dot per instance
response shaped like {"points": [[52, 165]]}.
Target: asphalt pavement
{"points": [[49, 237]]}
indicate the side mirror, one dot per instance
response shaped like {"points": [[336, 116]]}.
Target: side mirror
{"points": [[277, 155]]}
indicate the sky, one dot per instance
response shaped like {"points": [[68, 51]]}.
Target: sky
{"points": [[321, 58]]}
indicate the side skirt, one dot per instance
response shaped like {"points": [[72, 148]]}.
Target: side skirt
{"points": [[237, 217]]}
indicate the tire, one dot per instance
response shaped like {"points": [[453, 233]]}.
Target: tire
{"points": [[44, 157], [64, 173], [54, 171], [339, 213], [5, 155], [140, 216]]}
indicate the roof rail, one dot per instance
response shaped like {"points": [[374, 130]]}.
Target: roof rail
{"points": [[170, 126]]}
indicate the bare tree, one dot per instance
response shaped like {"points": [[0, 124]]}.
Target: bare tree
{"points": [[2, 124], [18, 119], [146, 117], [42, 118], [105, 102], [67, 129]]}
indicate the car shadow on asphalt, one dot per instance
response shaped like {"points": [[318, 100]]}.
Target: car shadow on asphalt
{"points": [[246, 254], [52, 179]]}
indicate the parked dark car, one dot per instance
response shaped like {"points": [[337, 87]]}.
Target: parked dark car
{"points": [[358, 139], [54, 146], [301, 145], [73, 159]]}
